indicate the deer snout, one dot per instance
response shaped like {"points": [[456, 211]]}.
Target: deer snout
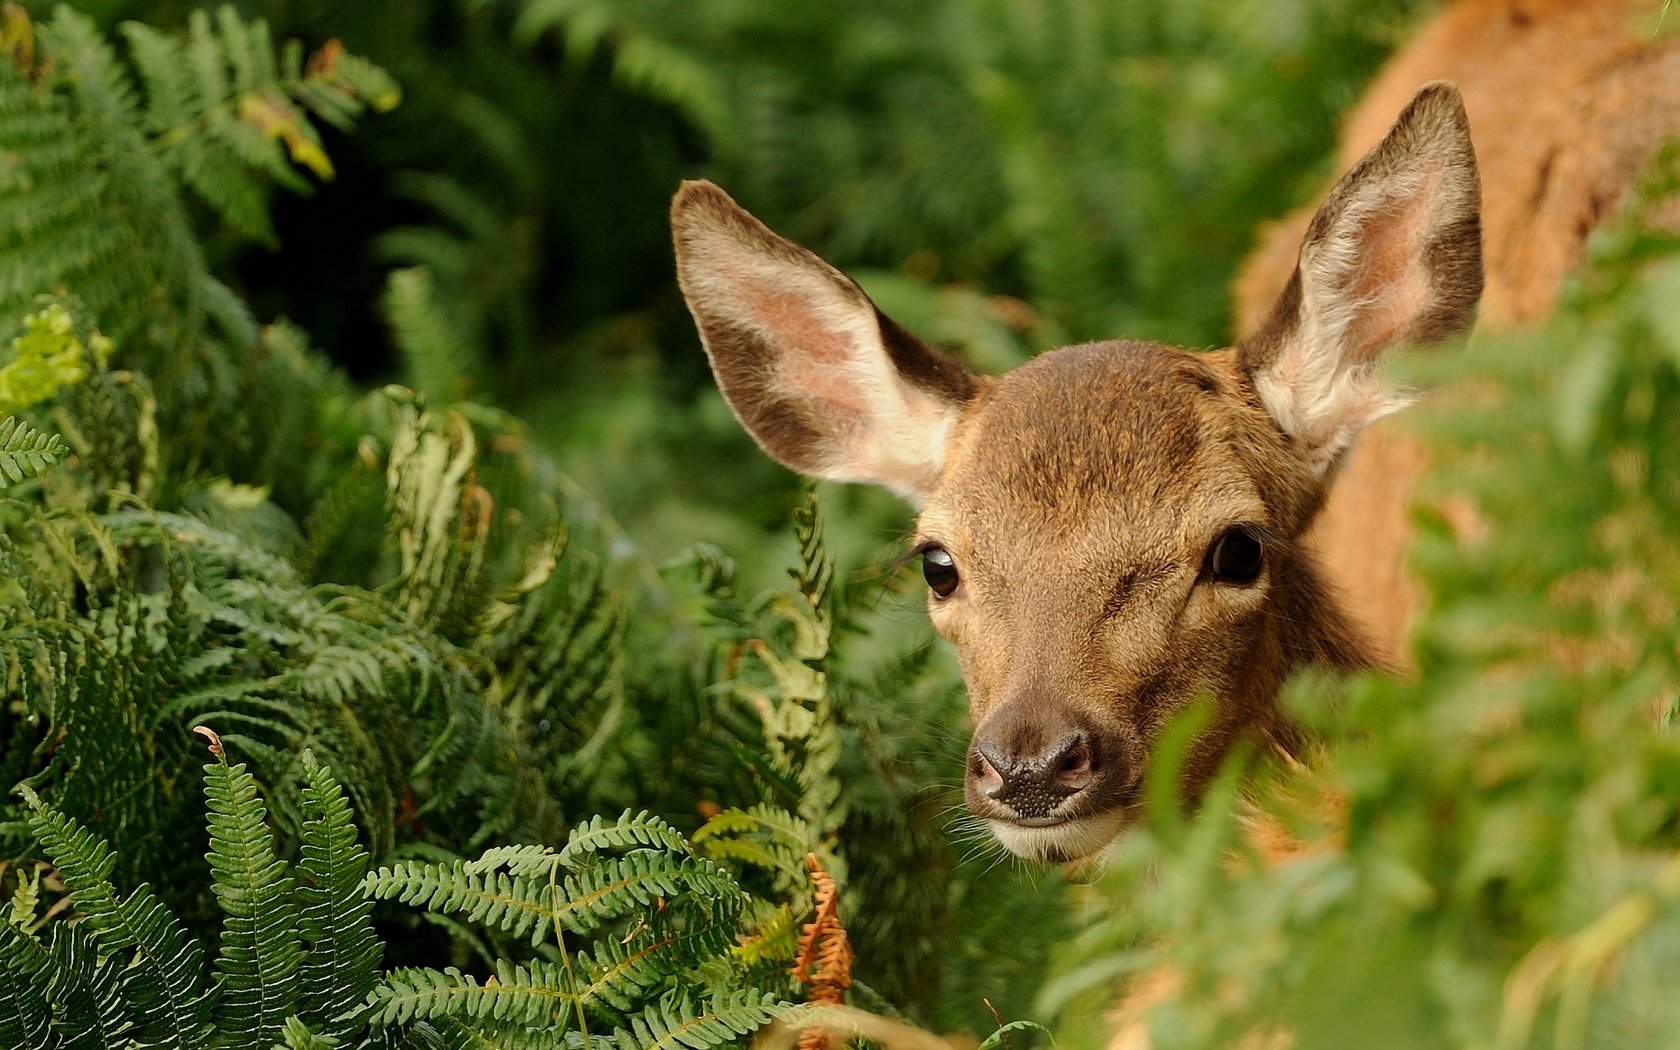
{"points": [[1033, 785], [1030, 765]]}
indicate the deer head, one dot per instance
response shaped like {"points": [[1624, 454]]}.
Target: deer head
{"points": [[1113, 530]]}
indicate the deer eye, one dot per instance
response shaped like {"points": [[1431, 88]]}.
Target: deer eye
{"points": [[940, 571], [1236, 556]]}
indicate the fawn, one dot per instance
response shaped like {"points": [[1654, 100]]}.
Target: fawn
{"points": [[1114, 529], [1117, 528]]}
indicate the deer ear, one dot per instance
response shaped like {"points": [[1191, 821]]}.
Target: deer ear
{"points": [[824, 381], [1393, 256]]}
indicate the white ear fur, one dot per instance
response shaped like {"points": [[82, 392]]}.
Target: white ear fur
{"points": [[803, 356], [1393, 256]]}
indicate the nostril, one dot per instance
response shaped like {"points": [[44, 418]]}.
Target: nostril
{"points": [[1070, 763], [986, 775]]}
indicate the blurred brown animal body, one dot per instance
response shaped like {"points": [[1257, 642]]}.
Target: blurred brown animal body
{"points": [[1569, 100]]}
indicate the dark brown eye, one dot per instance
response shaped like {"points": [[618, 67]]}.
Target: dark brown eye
{"points": [[1236, 557], [940, 571]]}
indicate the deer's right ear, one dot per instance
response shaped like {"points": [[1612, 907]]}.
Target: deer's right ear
{"points": [[825, 382], [1394, 255]]}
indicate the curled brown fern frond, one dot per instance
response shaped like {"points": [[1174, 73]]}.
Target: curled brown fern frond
{"points": [[824, 961]]}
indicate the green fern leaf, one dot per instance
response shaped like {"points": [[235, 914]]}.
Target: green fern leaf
{"points": [[622, 974], [343, 952], [670, 1025], [519, 995], [25, 1009], [90, 1002], [641, 829], [26, 452], [493, 898], [299, 1036], [436, 358], [598, 894], [164, 982], [260, 953]]}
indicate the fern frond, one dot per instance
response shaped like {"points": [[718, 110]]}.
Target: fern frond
{"points": [[815, 573], [600, 893], [437, 358], [260, 954], [46, 357], [765, 837], [228, 113], [89, 997], [342, 951], [521, 995], [164, 982], [622, 974], [299, 1036], [640, 61], [26, 452], [439, 516], [629, 830], [25, 1008], [161, 288], [680, 1023], [526, 860], [493, 898]]}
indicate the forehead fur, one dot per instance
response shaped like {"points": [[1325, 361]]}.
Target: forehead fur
{"points": [[1112, 424]]}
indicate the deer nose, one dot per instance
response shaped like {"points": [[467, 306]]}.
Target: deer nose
{"points": [[1036, 782]]}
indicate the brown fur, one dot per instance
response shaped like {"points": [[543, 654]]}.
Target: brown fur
{"points": [[1568, 102]]}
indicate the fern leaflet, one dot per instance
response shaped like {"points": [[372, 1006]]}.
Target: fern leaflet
{"points": [[343, 952], [260, 951], [26, 452]]}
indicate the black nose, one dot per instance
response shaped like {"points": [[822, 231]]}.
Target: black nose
{"points": [[1035, 782]]}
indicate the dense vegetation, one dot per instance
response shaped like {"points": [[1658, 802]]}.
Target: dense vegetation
{"points": [[498, 744]]}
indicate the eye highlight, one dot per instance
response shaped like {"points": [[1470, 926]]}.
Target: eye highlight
{"points": [[939, 571], [1237, 556]]}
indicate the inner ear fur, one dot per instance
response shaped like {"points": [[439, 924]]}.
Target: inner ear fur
{"points": [[1394, 256], [826, 383]]}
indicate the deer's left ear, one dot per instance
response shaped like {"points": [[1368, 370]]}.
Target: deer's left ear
{"points": [[1393, 256]]}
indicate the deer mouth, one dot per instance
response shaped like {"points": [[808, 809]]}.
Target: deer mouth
{"points": [[1060, 840]]}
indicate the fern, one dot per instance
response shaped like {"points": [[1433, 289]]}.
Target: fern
{"points": [[25, 1007], [629, 830], [48, 356], [342, 952], [683, 1023], [518, 995], [26, 452], [164, 986], [90, 994], [227, 112], [437, 362], [681, 912], [640, 60], [535, 902], [298, 1036]]}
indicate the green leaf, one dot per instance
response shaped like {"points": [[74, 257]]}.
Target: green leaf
{"points": [[26, 452], [260, 954], [341, 950], [164, 979]]}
